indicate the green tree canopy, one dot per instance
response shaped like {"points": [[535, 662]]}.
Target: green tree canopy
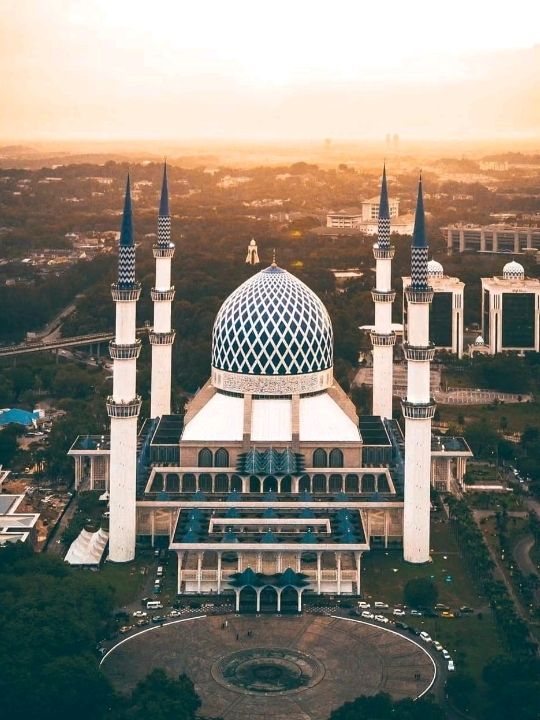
{"points": [[420, 592]]}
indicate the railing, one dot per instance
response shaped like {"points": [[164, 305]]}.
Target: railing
{"points": [[162, 295], [383, 295], [418, 296], [119, 409], [382, 340], [383, 253], [130, 294], [74, 341], [418, 411], [163, 252], [124, 352], [418, 353], [161, 338]]}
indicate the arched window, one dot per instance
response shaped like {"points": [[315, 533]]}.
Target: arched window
{"points": [[351, 484], [173, 482], [189, 483], [236, 483], [305, 484], [368, 483], [382, 484], [222, 483], [222, 458], [205, 458], [320, 458], [205, 483], [319, 483], [336, 483], [157, 483], [336, 458]]}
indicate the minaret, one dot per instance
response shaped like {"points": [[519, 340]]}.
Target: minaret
{"points": [[252, 253], [124, 404], [382, 337], [161, 335], [419, 407]]}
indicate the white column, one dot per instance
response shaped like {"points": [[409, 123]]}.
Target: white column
{"points": [[219, 573], [199, 570], [319, 556], [382, 337], [162, 335], [179, 556], [338, 568]]}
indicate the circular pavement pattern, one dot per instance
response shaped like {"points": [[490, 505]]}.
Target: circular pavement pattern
{"points": [[298, 668]]}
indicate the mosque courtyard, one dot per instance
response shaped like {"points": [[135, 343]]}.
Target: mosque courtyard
{"points": [[301, 667]]}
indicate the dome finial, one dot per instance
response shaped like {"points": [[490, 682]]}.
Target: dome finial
{"points": [[274, 264]]}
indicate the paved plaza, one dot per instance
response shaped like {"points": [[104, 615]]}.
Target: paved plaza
{"points": [[298, 668]]}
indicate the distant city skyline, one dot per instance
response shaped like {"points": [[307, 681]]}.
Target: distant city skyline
{"points": [[302, 70]]}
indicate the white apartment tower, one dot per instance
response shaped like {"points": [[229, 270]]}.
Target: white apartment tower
{"points": [[162, 335], [382, 336], [124, 405], [418, 407]]}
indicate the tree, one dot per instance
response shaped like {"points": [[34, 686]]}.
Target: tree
{"points": [[8, 443], [461, 688], [420, 592], [161, 697]]}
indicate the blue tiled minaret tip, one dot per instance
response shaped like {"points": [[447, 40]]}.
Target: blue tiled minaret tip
{"points": [[126, 252], [383, 222], [126, 232], [419, 247], [164, 201]]}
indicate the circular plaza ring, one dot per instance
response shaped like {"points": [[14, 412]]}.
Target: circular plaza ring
{"points": [[268, 671]]}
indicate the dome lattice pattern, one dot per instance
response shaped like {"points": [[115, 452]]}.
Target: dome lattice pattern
{"points": [[513, 271], [272, 324]]}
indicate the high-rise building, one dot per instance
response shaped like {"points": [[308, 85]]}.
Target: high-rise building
{"points": [[446, 316], [511, 311]]}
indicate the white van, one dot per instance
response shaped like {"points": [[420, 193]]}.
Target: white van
{"points": [[154, 605], [159, 572]]}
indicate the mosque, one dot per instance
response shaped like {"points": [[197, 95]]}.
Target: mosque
{"points": [[269, 484]]}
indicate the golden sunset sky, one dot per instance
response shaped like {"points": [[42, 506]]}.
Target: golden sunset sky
{"points": [[286, 69]]}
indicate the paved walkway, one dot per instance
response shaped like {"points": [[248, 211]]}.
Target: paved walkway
{"points": [[351, 658]]}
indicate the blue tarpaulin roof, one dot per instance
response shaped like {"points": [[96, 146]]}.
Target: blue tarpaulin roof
{"points": [[20, 417]]}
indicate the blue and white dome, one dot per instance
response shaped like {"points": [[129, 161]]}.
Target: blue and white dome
{"points": [[272, 335], [513, 271]]}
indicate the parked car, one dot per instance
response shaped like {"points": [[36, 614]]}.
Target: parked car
{"points": [[381, 619], [398, 612], [441, 606], [437, 645], [125, 629], [142, 622], [402, 626], [364, 605], [446, 654], [465, 610], [417, 613], [451, 666], [158, 618], [425, 636], [447, 614], [174, 613], [381, 605], [140, 614], [367, 615]]}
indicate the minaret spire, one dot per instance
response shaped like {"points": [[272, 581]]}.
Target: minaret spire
{"points": [[382, 336], [162, 336], [126, 250], [418, 407], [124, 405]]}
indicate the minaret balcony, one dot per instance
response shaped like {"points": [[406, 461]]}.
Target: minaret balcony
{"points": [[418, 353], [418, 411], [383, 295], [161, 338], [126, 351], [382, 339], [162, 295], [383, 253], [126, 294], [418, 296], [122, 409], [163, 251]]}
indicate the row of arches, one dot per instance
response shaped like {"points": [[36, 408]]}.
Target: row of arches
{"points": [[321, 458], [268, 599], [207, 458], [319, 483]]}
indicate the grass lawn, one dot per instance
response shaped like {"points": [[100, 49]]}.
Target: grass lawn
{"points": [[472, 642], [385, 573], [128, 579], [517, 415]]}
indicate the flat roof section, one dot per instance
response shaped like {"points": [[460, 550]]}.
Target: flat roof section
{"points": [[373, 431], [169, 430]]}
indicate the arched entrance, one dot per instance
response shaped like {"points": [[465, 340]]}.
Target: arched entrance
{"points": [[270, 484], [189, 483], [248, 599], [289, 600], [305, 484], [268, 599], [222, 483], [286, 484], [236, 483], [254, 484], [205, 483], [319, 483]]}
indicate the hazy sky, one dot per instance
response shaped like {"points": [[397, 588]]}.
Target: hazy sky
{"points": [[253, 69]]}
